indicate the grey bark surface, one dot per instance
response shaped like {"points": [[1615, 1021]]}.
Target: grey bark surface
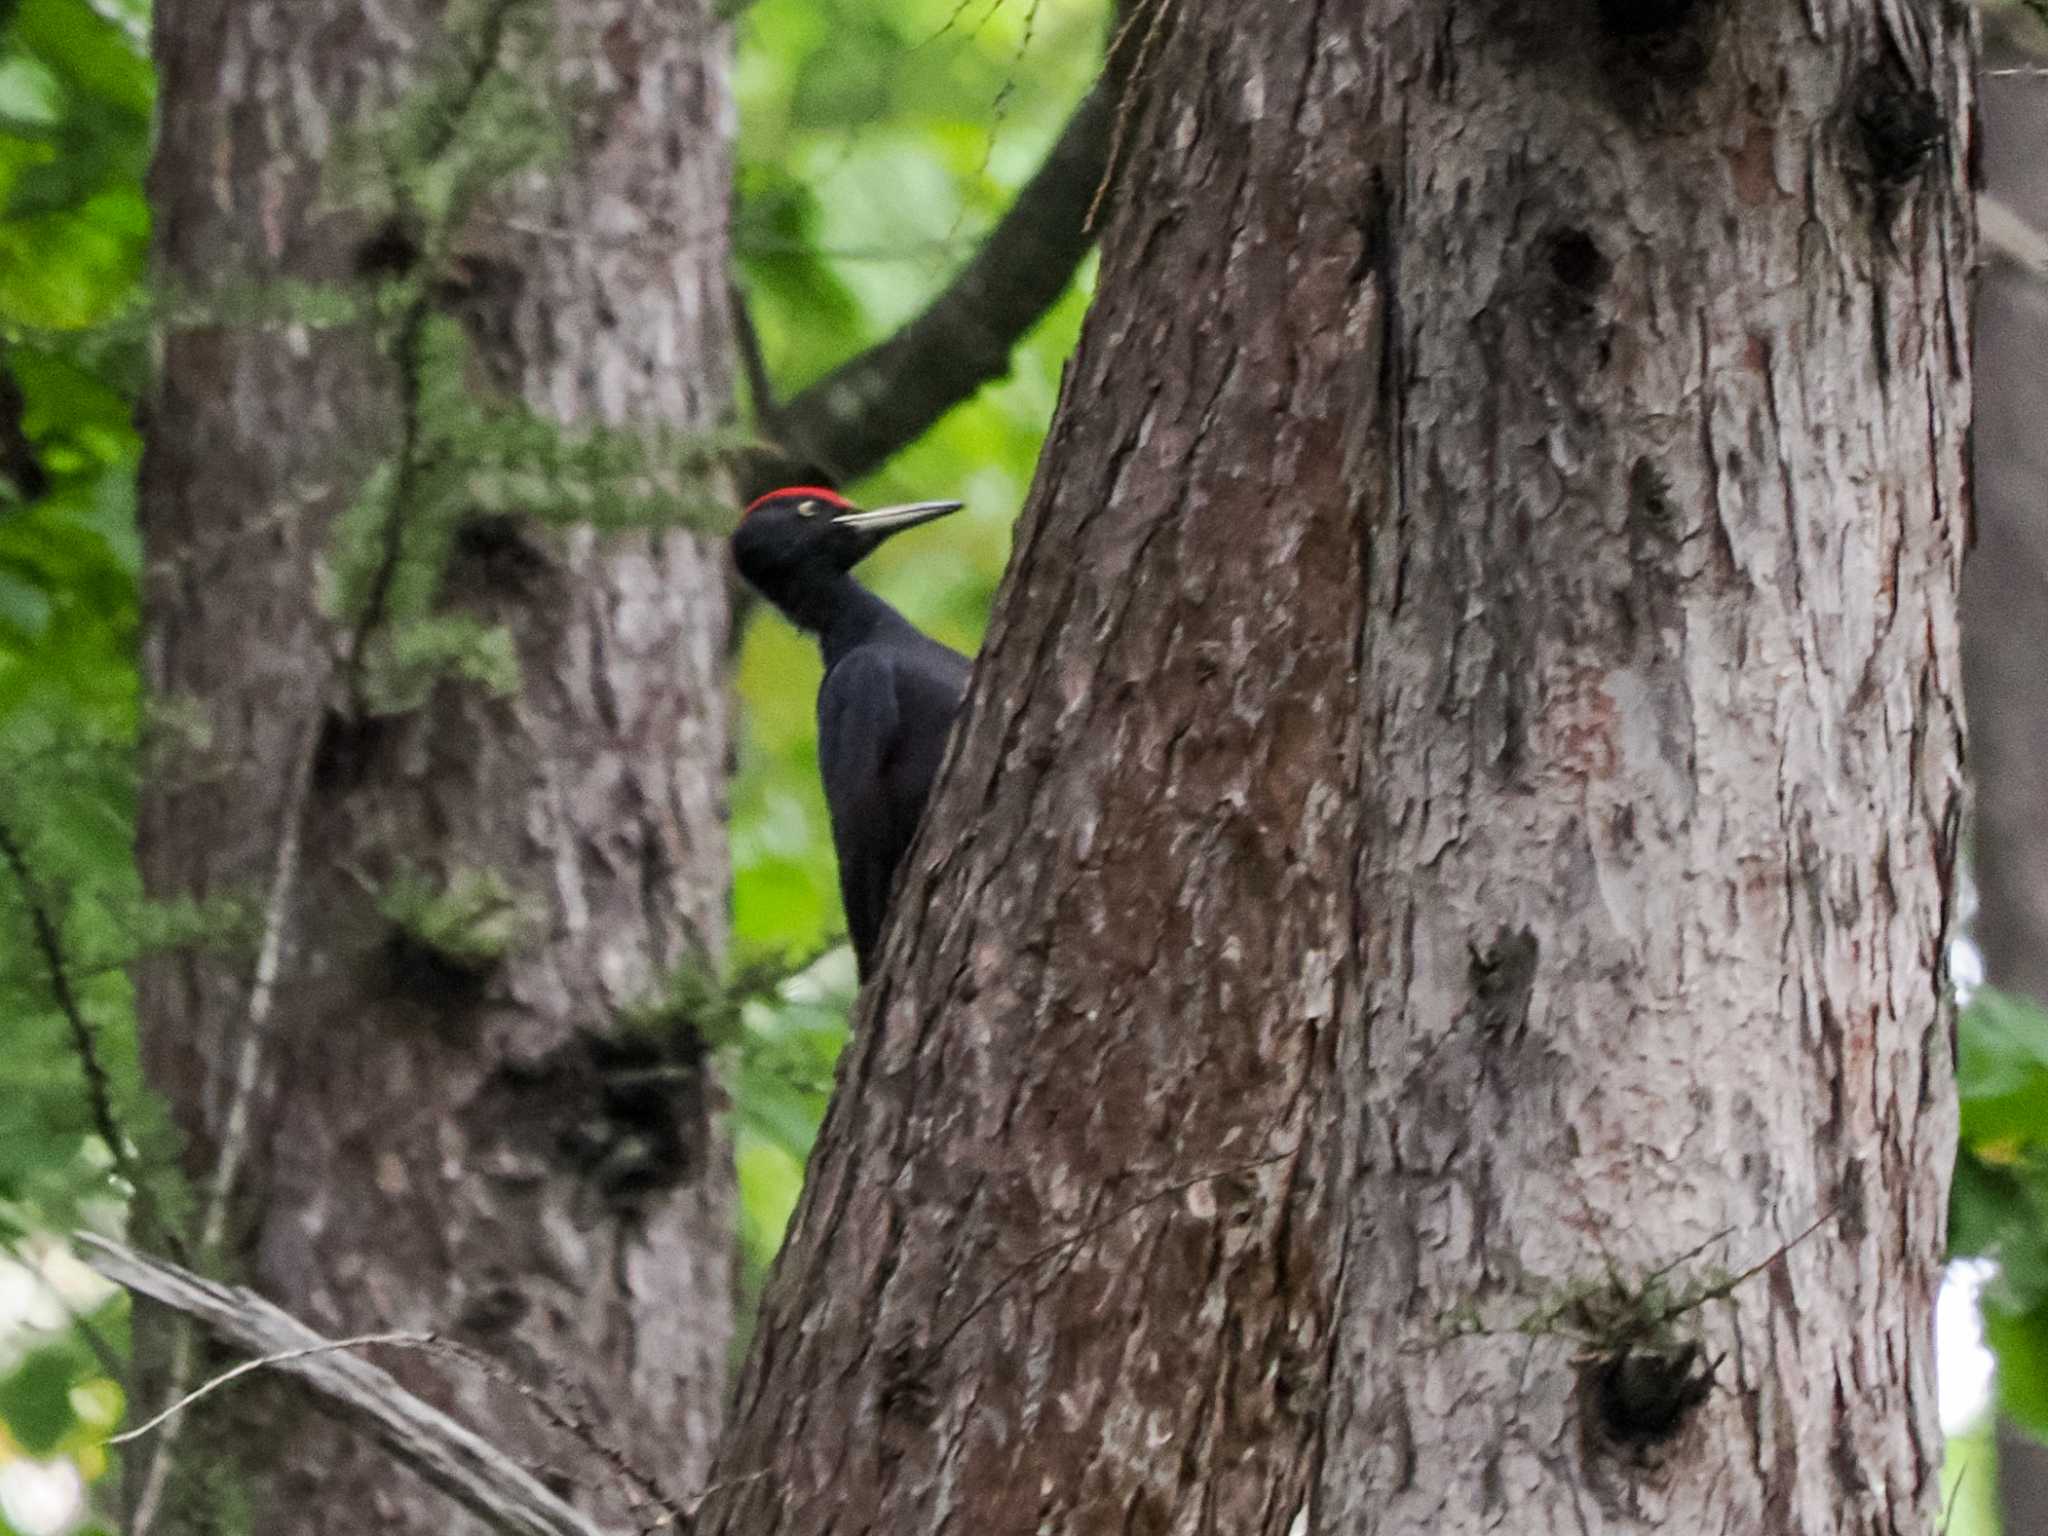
{"points": [[430, 1152], [1453, 818], [2005, 608]]}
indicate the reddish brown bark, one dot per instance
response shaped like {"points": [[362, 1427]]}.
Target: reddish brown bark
{"points": [[1452, 821]]}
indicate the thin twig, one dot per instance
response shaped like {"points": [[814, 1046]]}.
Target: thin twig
{"points": [[1545, 1319], [242, 1091], [263, 1362], [479, 1476], [760, 388], [277, 904], [1729, 1286], [642, 1488], [999, 111], [952, 20], [1955, 1489], [1101, 1224], [1688, 1256], [1126, 98]]}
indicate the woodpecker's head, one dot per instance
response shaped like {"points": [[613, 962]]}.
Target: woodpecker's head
{"points": [[805, 532]]}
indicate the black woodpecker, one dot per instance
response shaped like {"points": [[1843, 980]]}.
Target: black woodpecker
{"points": [[890, 692]]}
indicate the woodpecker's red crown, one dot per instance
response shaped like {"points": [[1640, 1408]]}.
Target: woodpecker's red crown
{"points": [[832, 499]]}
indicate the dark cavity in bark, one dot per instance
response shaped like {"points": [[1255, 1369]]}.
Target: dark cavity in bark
{"points": [[1644, 18], [1577, 269], [1899, 123], [1641, 1397], [347, 748], [1503, 977], [392, 250], [626, 1111]]}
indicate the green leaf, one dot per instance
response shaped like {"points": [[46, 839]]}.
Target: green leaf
{"points": [[2019, 1338], [89, 54], [35, 1397], [2002, 1069]]}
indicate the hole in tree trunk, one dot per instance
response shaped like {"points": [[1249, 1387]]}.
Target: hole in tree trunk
{"points": [[1898, 122], [1640, 1396]]}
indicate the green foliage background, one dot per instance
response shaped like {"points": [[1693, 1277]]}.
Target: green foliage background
{"points": [[877, 142]]}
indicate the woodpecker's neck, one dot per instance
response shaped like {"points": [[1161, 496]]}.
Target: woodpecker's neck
{"points": [[838, 610]]}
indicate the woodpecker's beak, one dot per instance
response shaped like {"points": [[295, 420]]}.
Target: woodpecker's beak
{"points": [[894, 519]]}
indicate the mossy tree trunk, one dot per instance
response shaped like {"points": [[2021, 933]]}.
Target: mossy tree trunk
{"points": [[1419, 1006], [465, 767]]}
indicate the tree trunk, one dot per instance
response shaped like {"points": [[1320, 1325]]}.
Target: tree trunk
{"points": [[1418, 1007], [2005, 614], [458, 892]]}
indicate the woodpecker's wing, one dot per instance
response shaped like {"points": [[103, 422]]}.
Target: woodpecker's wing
{"points": [[858, 729], [884, 712]]}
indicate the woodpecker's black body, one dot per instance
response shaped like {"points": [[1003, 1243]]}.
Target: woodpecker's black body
{"points": [[890, 692]]}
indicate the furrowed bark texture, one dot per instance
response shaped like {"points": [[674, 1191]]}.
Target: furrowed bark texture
{"points": [[1471, 718], [1663, 695], [433, 1149]]}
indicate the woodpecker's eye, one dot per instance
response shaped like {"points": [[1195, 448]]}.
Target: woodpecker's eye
{"points": [[807, 509]]}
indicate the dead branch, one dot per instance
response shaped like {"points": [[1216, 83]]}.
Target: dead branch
{"points": [[481, 1478]]}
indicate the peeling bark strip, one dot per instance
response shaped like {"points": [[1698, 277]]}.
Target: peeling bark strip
{"points": [[1472, 715], [442, 1146]]}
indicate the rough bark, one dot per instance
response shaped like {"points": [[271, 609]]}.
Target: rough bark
{"points": [[433, 1148], [2005, 606], [1452, 821]]}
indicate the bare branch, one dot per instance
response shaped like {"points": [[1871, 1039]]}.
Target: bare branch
{"points": [[760, 388], [486, 1482], [642, 1489], [242, 1091], [264, 1362], [879, 402], [234, 1142]]}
